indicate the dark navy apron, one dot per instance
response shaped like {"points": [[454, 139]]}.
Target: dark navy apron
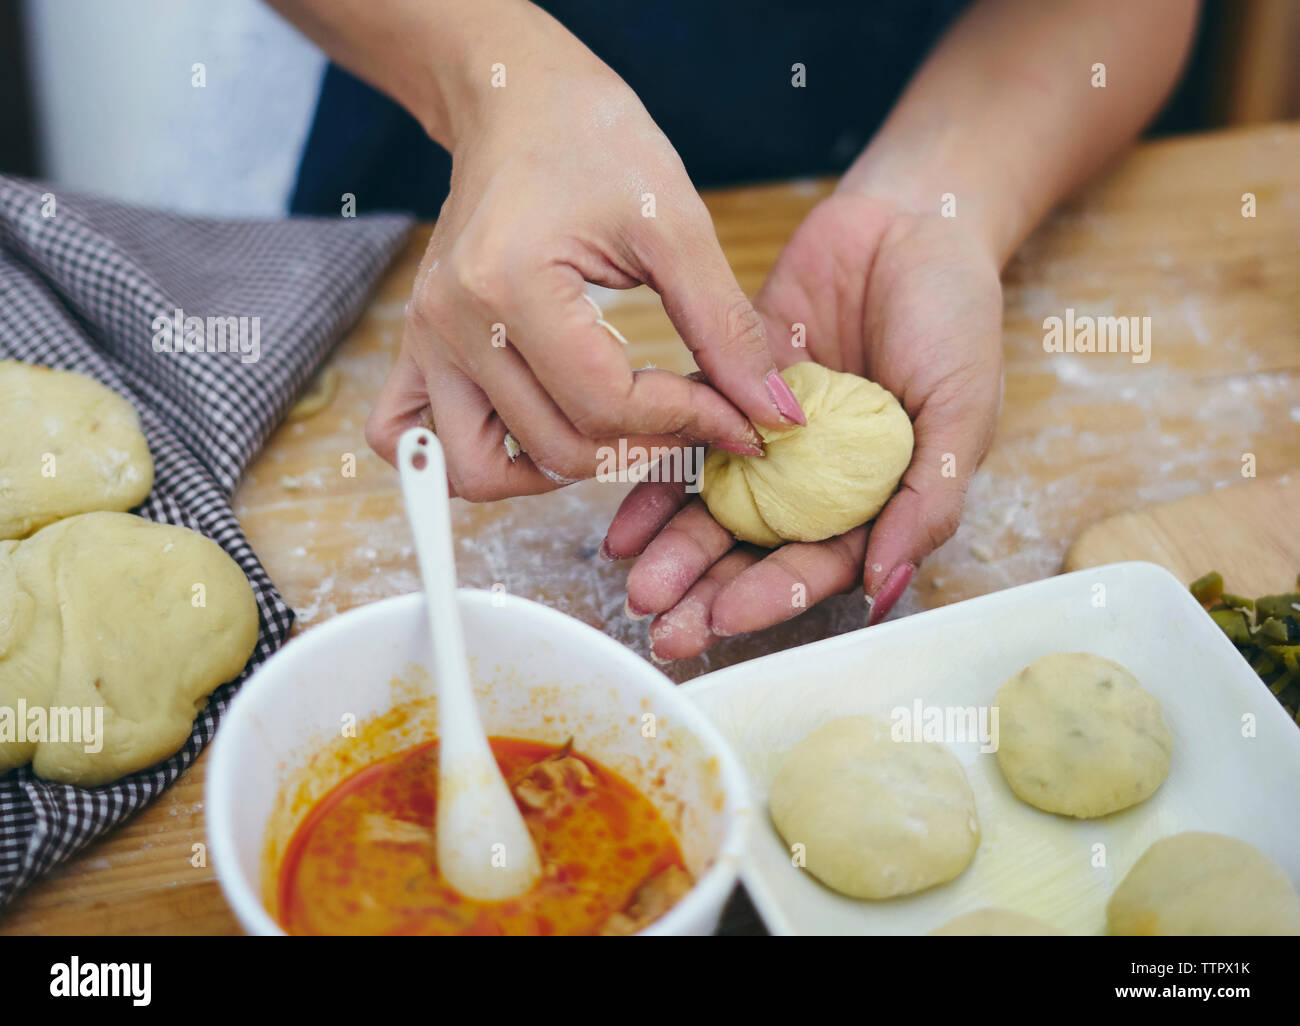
{"points": [[715, 76]]}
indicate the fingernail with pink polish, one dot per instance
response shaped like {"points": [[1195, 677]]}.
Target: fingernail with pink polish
{"points": [[890, 592], [786, 404]]}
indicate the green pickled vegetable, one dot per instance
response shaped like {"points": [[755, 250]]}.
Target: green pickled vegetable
{"points": [[1283, 682], [1289, 654], [1208, 589], [1264, 664], [1279, 606], [1275, 630], [1266, 633], [1233, 623]]}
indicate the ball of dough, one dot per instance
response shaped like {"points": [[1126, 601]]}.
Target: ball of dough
{"points": [[68, 445], [995, 922], [820, 480], [104, 611], [1079, 736], [876, 817], [1200, 884]]}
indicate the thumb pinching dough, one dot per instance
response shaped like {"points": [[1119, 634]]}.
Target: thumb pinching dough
{"points": [[1080, 736], [109, 612], [68, 445], [820, 480], [876, 817]]}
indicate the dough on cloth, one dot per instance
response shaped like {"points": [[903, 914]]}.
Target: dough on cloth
{"points": [[1202, 884], [320, 393], [1079, 736], [995, 922], [819, 480], [68, 445], [876, 817], [103, 611]]}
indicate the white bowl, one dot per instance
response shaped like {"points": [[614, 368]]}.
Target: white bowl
{"points": [[538, 675]]}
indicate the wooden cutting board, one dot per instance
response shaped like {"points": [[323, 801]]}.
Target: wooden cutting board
{"points": [[1250, 533]]}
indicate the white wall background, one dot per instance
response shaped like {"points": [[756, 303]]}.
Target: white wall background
{"points": [[117, 114]]}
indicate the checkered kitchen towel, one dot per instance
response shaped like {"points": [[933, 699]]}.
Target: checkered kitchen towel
{"points": [[81, 283]]}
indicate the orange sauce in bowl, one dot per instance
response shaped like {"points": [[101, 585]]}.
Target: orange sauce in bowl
{"points": [[363, 860]]}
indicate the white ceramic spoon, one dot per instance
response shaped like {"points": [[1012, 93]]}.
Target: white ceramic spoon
{"points": [[484, 848]]}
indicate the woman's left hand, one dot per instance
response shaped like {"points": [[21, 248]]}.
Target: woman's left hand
{"points": [[910, 301]]}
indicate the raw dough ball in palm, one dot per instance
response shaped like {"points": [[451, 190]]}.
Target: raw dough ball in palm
{"points": [[103, 611], [876, 817], [68, 445], [995, 922], [820, 480], [1079, 736], [1200, 884]]}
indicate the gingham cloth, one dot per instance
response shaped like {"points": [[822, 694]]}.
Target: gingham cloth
{"points": [[80, 290]]}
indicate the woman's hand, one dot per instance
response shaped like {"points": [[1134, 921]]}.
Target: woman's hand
{"points": [[910, 301], [561, 178]]}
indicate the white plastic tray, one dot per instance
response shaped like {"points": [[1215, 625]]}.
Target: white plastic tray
{"points": [[1058, 869]]}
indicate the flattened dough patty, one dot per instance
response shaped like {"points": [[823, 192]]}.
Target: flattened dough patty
{"points": [[109, 611], [877, 817], [68, 445], [1079, 736], [1202, 884]]}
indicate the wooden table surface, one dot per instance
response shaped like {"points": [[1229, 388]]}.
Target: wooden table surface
{"points": [[1081, 437]]}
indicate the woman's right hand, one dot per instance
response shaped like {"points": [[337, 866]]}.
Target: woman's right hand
{"points": [[560, 178]]}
